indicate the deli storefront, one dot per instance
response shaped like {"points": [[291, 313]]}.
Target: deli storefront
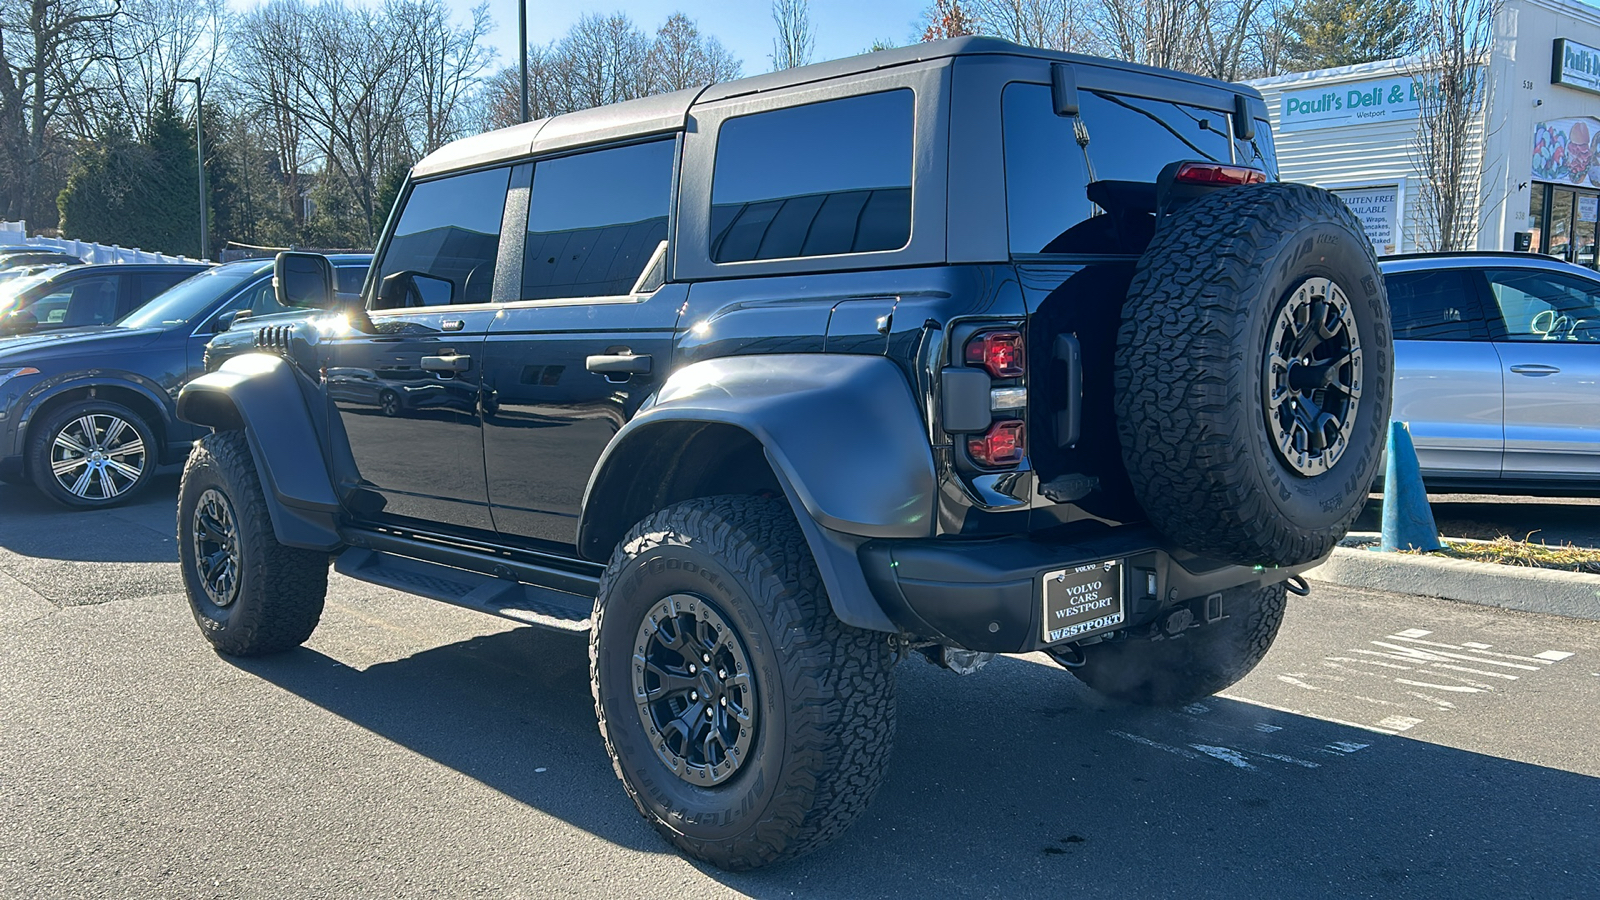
{"points": [[1536, 151]]}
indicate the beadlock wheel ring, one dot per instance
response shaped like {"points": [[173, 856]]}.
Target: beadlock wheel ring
{"points": [[1312, 384], [694, 689], [216, 548]]}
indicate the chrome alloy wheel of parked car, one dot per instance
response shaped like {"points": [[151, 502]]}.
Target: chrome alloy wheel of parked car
{"points": [[1313, 379], [98, 456]]}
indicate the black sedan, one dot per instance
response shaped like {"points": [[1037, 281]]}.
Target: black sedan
{"points": [[87, 414]]}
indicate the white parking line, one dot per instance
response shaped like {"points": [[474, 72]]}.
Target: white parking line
{"points": [[1414, 632], [1399, 723], [1553, 655], [1226, 754]]}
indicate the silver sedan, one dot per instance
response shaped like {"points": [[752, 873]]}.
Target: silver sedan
{"points": [[1497, 370]]}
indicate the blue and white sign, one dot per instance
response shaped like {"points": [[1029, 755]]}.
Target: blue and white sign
{"points": [[1359, 103]]}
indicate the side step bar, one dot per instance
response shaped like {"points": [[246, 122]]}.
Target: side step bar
{"points": [[499, 596]]}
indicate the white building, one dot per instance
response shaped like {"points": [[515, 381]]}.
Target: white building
{"points": [[1353, 129]]}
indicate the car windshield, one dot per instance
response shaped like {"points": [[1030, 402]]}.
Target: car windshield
{"points": [[191, 298]]}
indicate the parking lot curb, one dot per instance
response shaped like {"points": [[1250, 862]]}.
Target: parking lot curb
{"points": [[1551, 591]]}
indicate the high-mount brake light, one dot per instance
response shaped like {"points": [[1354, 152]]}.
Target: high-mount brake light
{"points": [[1001, 445], [1214, 174], [1000, 352]]}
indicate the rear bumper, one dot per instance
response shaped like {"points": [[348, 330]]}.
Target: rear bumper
{"points": [[985, 594]]}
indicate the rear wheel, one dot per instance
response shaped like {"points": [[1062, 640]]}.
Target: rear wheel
{"points": [[1197, 663], [250, 595], [92, 454], [747, 723]]}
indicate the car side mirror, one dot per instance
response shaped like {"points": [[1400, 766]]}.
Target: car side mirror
{"points": [[303, 280], [407, 289], [19, 321], [228, 319]]}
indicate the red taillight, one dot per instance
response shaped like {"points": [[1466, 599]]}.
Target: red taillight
{"points": [[1001, 445], [998, 351], [1211, 173]]}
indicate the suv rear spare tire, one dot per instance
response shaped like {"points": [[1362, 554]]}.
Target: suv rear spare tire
{"points": [[1252, 374]]}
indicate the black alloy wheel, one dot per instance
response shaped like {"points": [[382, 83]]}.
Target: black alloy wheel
{"points": [[1312, 388], [695, 690], [216, 547]]}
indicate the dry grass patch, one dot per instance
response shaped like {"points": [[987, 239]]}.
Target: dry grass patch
{"points": [[1505, 551]]}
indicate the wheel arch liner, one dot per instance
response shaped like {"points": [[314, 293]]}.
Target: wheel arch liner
{"points": [[843, 436], [261, 394]]}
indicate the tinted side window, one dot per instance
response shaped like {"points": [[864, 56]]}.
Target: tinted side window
{"points": [[450, 229], [1435, 306], [348, 279], [1546, 306], [827, 178], [595, 219]]}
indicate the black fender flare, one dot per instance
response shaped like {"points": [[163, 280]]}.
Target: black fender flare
{"points": [[842, 433], [266, 398]]}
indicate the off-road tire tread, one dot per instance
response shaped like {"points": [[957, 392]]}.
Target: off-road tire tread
{"points": [[1178, 411], [1203, 661], [842, 717], [289, 583]]}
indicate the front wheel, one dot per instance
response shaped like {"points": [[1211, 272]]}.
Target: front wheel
{"points": [[1194, 665], [747, 723], [92, 455], [250, 595]]}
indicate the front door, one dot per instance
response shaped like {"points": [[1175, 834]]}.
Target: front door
{"points": [[1550, 350], [406, 390], [588, 339], [1446, 372]]}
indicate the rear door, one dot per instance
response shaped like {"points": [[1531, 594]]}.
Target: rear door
{"points": [[406, 392], [1549, 346], [587, 338], [1447, 379]]}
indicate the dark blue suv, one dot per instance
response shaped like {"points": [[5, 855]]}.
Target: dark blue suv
{"points": [[87, 414]]}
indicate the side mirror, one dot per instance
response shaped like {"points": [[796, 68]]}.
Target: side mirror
{"points": [[407, 289], [303, 280], [228, 319], [19, 321]]}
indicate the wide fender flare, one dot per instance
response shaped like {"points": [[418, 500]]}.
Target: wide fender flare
{"points": [[261, 395], [842, 433]]}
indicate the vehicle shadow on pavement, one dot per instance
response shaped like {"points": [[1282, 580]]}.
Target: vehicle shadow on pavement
{"points": [[33, 525], [1018, 779]]}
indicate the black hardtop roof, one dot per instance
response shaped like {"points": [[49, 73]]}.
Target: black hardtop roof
{"points": [[665, 113]]}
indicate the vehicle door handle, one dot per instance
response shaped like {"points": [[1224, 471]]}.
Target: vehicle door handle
{"points": [[446, 363], [1535, 370], [452, 324], [619, 364]]}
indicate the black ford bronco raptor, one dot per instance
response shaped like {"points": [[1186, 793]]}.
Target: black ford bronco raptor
{"points": [[959, 349]]}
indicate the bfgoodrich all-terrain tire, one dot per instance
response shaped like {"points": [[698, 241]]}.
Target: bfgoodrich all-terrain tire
{"points": [[1195, 664], [1253, 374], [748, 724], [249, 594]]}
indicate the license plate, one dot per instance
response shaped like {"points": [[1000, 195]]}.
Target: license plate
{"points": [[1082, 600]]}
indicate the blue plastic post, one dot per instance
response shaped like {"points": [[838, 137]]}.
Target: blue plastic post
{"points": [[1407, 519]]}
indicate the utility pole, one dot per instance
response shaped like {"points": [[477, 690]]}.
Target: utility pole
{"points": [[522, 51], [200, 161]]}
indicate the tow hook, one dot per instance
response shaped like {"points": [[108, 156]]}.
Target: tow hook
{"points": [[1298, 586]]}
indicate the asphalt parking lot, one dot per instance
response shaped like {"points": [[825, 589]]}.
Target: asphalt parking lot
{"points": [[1388, 746]]}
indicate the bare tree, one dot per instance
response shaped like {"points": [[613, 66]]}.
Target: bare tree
{"points": [[270, 42], [49, 50], [1051, 24], [154, 43], [795, 41], [1452, 87], [449, 60], [680, 57], [600, 61]]}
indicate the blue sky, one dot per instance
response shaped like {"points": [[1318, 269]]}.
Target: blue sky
{"points": [[843, 27]]}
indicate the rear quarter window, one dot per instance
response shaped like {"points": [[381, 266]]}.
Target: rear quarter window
{"points": [[816, 180]]}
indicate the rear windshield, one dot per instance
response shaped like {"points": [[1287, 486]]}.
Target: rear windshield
{"points": [[1130, 139]]}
